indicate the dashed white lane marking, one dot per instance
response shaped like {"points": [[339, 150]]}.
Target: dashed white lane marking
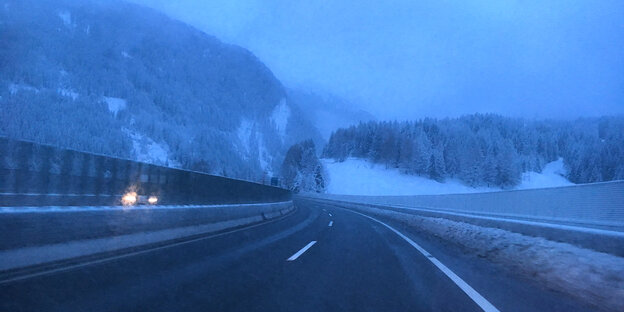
{"points": [[301, 251], [330, 214], [330, 223], [473, 294], [324, 209]]}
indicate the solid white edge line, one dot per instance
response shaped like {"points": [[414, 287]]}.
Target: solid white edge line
{"points": [[330, 223], [473, 294], [301, 251]]}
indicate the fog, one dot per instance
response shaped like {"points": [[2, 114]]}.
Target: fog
{"points": [[410, 59]]}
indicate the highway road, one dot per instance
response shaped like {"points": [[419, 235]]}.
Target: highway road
{"points": [[318, 258]]}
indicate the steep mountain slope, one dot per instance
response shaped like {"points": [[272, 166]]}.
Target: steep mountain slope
{"points": [[120, 79]]}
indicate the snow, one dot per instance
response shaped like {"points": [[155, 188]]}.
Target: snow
{"points": [[280, 116], [244, 134], [149, 151], [14, 88], [67, 93], [264, 156], [249, 140], [552, 175], [359, 177], [593, 276], [65, 16], [115, 104]]}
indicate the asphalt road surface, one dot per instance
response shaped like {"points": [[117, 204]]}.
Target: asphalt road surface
{"points": [[319, 258]]}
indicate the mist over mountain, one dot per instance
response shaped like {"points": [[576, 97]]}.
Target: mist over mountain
{"points": [[120, 79], [408, 59], [327, 111]]}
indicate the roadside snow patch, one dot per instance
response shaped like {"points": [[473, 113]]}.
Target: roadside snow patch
{"points": [[594, 277]]}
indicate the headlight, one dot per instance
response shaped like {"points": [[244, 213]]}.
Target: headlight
{"points": [[152, 200], [129, 199]]}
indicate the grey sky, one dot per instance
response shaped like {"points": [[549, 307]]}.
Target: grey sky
{"points": [[409, 59]]}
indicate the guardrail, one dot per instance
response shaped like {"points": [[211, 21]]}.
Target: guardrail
{"points": [[33, 174], [36, 239], [589, 215], [599, 205], [60, 206], [45, 226]]}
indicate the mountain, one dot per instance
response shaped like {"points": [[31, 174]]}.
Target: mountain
{"points": [[120, 79]]}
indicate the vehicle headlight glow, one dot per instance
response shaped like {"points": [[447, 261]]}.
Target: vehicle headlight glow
{"points": [[129, 199], [152, 200]]}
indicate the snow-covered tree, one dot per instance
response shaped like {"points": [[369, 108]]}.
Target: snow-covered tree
{"points": [[488, 150], [302, 171]]}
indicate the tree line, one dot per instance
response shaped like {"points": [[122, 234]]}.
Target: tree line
{"points": [[487, 149]]}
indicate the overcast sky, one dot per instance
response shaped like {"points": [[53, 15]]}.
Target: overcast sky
{"points": [[410, 59]]}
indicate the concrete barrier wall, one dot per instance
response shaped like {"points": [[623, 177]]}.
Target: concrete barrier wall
{"points": [[600, 240], [36, 239], [60, 205], [33, 227], [39, 175], [597, 205]]}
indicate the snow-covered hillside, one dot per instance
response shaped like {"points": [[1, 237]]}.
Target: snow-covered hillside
{"points": [[164, 93], [360, 177]]}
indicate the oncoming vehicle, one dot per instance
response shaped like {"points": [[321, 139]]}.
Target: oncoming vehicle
{"points": [[131, 198]]}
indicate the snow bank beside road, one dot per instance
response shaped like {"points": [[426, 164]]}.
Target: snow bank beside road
{"points": [[594, 277], [360, 177]]}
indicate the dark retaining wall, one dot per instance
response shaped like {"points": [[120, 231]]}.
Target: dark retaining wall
{"points": [[39, 175]]}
